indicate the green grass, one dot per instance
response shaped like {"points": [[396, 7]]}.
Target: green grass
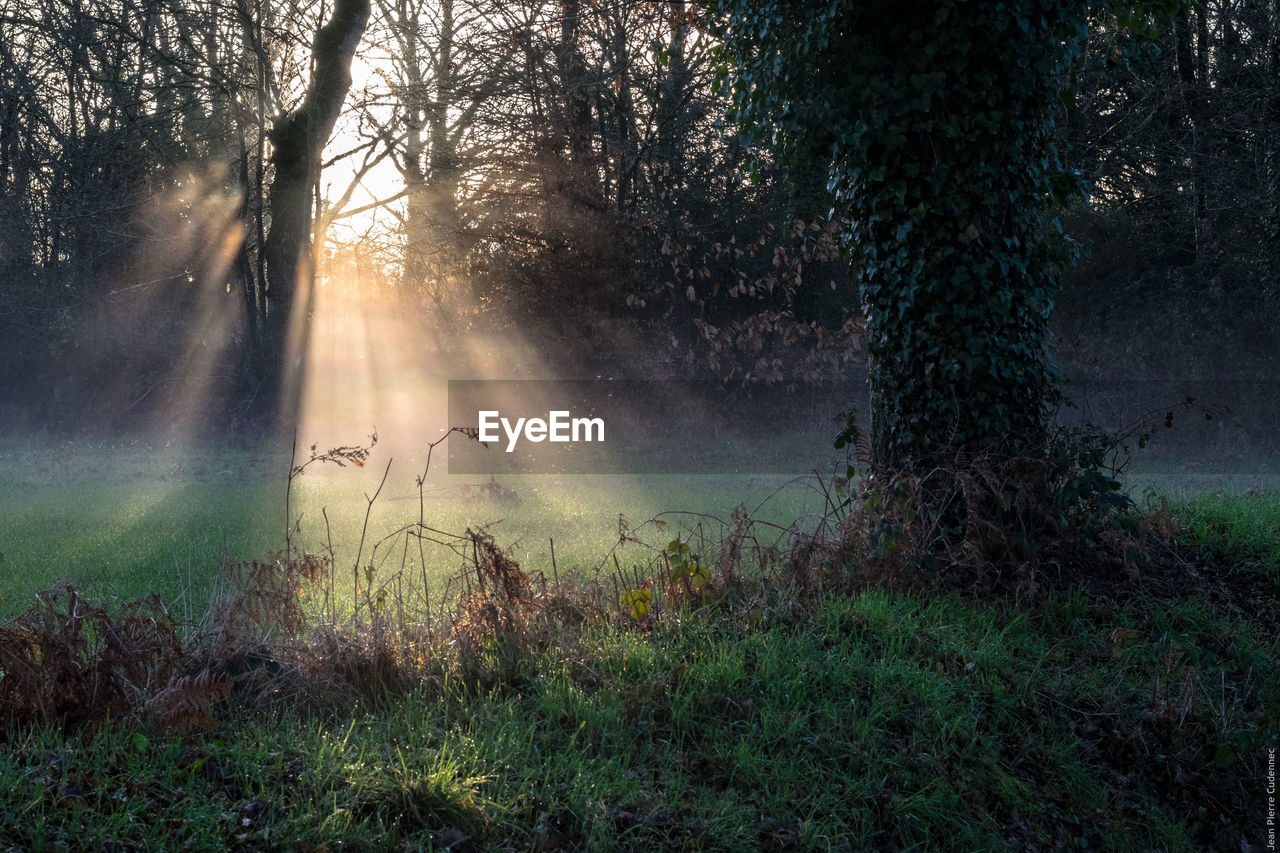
{"points": [[1242, 531], [872, 721], [133, 517], [127, 519]]}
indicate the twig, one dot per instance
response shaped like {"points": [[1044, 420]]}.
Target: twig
{"points": [[364, 530], [330, 594], [288, 492]]}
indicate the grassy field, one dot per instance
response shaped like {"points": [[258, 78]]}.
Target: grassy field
{"points": [[126, 519], [123, 520], [870, 721], [1121, 716]]}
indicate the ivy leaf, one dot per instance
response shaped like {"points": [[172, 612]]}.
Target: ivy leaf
{"points": [[638, 601]]}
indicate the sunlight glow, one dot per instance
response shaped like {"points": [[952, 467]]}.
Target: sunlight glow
{"points": [[372, 362]]}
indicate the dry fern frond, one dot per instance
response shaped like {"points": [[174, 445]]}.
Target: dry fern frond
{"points": [[189, 699]]}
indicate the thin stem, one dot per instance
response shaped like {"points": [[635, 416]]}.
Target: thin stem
{"points": [[365, 529], [288, 492]]}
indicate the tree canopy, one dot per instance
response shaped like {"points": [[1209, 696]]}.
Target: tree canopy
{"points": [[564, 176]]}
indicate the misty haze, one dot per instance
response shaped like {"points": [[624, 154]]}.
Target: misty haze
{"points": [[752, 425]]}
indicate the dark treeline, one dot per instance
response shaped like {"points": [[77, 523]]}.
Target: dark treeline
{"points": [[1177, 131], [563, 174]]}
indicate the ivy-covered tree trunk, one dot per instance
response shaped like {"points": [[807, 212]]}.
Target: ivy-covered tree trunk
{"points": [[936, 120], [297, 139]]}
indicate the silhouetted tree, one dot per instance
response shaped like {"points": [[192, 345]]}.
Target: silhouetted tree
{"points": [[298, 137]]}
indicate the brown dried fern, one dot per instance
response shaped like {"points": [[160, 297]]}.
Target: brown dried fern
{"points": [[188, 701]]}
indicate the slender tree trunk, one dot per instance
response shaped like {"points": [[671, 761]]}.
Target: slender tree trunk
{"points": [[576, 106], [413, 166], [441, 189], [1198, 117], [1192, 61], [430, 168], [673, 95], [298, 138]]}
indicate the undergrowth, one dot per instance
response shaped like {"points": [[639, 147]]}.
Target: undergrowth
{"points": [[827, 686]]}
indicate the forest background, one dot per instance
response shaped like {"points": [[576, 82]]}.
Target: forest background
{"points": [[515, 190]]}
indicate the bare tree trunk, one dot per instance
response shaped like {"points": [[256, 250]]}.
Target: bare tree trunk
{"points": [[1193, 70], [576, 108], [298, 138], [431, 163]]}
